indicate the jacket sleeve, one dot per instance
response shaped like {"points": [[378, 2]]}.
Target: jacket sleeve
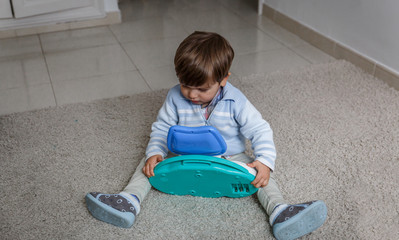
{"points": [[258, 131], [167, 117]]}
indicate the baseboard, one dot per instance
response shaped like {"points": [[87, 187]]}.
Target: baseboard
{"points": [[109, 19], [332, 47]]}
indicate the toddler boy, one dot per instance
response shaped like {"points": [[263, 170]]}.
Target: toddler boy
{"points": [[205, 97]]}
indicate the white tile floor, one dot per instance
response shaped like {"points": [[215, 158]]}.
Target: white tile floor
{"points": [[136, 56]]}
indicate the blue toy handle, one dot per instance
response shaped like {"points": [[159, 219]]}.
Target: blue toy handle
{"points": [[205, 140]]}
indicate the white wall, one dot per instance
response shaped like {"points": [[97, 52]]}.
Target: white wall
{"points": [[369, 27], [111, 6]]}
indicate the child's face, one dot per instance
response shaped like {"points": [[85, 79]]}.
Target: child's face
{"points": [[202, 95]]}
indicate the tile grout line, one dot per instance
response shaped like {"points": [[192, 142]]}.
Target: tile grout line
{"points": [[81, 48], [47, 68], [131, 60]]}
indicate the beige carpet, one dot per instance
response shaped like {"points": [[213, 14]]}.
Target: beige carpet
{"points": [[337, 136]]}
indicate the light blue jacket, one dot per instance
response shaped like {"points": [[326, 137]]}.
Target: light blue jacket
{"points": [[234, 116]]}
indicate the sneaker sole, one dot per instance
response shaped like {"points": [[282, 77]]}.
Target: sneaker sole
{"points": [[303, 223], [107, 214]]}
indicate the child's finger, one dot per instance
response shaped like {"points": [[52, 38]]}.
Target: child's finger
{"points": [[264, 184], [146, 171], [251, 165], [257, 182]]}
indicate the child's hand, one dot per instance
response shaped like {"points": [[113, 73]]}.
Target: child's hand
{"points": [[263, 175], [149, 166]]}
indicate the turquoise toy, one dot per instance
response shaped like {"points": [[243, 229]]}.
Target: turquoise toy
{"points": [[201, 175]]}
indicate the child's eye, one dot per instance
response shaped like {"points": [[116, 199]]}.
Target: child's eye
{"points": [[203, 90]]}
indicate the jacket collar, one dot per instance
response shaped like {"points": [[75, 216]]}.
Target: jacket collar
{"points": [[227, 92]]}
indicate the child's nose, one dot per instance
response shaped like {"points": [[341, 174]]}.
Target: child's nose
{"points": [[192, 93]]}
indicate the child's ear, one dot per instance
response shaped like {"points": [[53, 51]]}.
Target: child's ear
{"points": [[224, 81]]}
